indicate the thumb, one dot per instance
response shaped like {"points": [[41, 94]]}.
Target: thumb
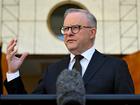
{"points": [[23, 56]]}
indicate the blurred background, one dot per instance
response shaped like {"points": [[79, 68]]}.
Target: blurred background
{"points": [[36, 25]]}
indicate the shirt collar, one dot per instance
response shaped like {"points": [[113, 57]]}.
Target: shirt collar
{"points": [[87, 54]]}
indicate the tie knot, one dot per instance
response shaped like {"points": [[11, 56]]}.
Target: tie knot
{"points": [[78, 57]]}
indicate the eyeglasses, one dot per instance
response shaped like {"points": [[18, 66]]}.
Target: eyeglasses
{"points": [[74, 28]]}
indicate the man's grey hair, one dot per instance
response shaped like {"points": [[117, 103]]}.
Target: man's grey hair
{"points": [[91, 17]]}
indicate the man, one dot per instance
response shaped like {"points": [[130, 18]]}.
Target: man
{"points": [[101, 74]]}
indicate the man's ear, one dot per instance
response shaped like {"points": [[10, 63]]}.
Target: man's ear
{"points": [[93, 32]]}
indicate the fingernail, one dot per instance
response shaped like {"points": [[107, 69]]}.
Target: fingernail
{"points": [[15, 39]]}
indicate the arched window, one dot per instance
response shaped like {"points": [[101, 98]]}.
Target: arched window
{"points": [[56, 17]]}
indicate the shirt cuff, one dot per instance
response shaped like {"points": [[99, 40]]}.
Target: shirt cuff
{"points": [[11, 76]]}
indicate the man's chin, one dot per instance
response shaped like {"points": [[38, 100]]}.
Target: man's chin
{"points": [[71, 48]]}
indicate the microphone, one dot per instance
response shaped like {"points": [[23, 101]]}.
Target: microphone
{"points": [[70, 88]]}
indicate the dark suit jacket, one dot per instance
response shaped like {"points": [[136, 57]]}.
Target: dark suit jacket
{"points": [[104, 75]]}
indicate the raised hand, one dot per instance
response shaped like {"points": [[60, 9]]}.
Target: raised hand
{"points": [[14, 62]]}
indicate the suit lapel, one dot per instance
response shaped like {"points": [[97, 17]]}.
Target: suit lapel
{"points": [[96, 62]]}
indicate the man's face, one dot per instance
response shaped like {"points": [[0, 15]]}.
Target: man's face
{"points": [[79, 42]]}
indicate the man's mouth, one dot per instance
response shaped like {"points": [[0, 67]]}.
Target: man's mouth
{"points": [[70, 40]]}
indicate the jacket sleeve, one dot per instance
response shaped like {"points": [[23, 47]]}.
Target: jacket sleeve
{"points": [[123, 80], [15, 86]]}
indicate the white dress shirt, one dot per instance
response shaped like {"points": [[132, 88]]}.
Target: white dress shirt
{"points": [[11, 76], [85, 61]]}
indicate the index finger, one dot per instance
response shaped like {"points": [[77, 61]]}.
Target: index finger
{"points": [[11, 42]]}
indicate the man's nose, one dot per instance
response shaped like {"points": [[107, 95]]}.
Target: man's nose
{"points": [[69, 32]]}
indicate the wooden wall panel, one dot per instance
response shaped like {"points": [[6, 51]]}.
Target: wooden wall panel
{"points": [[4, 70], [133, 61]]}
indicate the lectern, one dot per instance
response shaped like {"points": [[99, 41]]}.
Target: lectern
{"points": [[121, 99]]}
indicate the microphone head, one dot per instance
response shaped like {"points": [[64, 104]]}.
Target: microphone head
{"points": [[70, 88]]}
